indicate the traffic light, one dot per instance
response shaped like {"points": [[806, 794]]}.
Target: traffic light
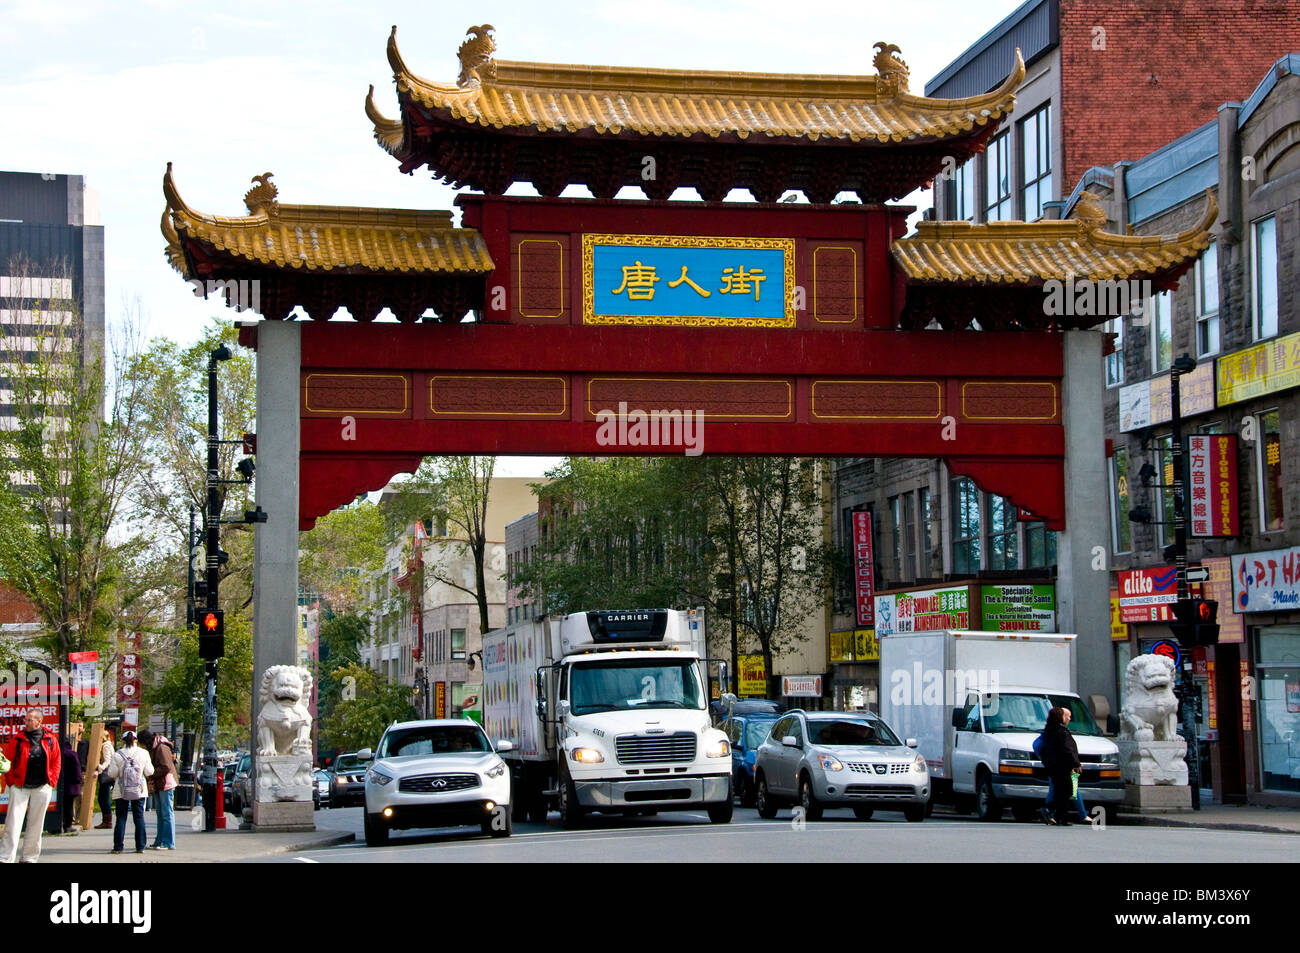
{"points": [[212, 634], [1197, 622]]}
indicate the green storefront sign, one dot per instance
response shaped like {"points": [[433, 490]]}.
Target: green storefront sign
{"points": [[1018, 608]]}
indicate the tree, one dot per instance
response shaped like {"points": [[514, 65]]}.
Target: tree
{"points": [[338, 556], [180, 690], [366, 704]]}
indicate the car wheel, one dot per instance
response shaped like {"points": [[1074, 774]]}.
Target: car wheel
{"points": [[987, 807], [537, 808], [376, 830], [914, 812], [721, 812], [571, 812], [763, 800], [495, 828], [862, 812], [812, 808]]}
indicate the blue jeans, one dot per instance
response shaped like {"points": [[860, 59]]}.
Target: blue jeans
{"points": [[136, 807], [166, 836], [1078, 801]]}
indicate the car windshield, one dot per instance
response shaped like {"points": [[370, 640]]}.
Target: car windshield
{"points": [[850, 732], [433, 739], [348, 762], [635, 684], [756, 732], [1012, 712]]}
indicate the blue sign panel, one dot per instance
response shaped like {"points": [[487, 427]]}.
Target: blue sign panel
{"points": [[688, 280]]}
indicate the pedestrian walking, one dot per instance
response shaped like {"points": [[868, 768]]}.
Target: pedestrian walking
{"points": [[35, 762], [105, 783], [1046, 813], [163, 785], [69, 783], [130, 770], [1061, 759]]}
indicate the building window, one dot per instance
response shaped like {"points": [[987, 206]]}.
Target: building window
{"points": [[1162, 331], [1004, 552], [1121, 527], [997, 191], [1040, 545], [457, 643], [965, 526], [1264, 278], [1207, 302], [896, 520], [1277, 666], [1115, 360], [931, 557], [1036, 162], [1270, 472], [909, 536], [965, 193]]}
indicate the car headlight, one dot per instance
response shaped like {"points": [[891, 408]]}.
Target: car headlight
{"points": [[919, 765], [586, 755], [1015, 754], [496, 770], [829, 763], [719, 749], [379, 777]]}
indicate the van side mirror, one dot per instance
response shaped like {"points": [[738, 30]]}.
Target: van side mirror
{"points": [[790, 741], [911, 742], [365, 754], [958, 717], [504, 745]]}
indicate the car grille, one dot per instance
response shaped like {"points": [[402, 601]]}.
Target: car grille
{"points": [[864, 767], [884, 791], [649, 749], [437, 783]]}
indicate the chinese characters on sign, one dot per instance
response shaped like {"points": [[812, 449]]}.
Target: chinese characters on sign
{"points": [[1118, 628], [1212, 469], [863, 568], [1263, 369], [1232, 627], [440, 700], [686, 280], [923, 611], [1147, 403]]}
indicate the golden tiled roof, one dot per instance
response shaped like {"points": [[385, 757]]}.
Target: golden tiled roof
{"points": [[325, 237], [1020, 253], [613, 100]]}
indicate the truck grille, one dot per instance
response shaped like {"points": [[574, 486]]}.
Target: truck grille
{"points": [[649, 749], [437, 783], [862, 767]]}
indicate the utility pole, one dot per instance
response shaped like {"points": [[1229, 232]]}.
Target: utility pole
{"points": [[210, 805], [191, 545], [1184, 365]]}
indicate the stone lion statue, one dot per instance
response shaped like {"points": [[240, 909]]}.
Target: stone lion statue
{"points": [[283, 721], [1150, 707]]}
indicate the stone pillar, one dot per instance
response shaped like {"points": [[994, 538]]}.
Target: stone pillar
{"points": [[1083, 550], [275, 549]]}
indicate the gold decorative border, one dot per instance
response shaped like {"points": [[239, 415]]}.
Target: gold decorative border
{"points": [[1056, 403], [789, 402], [886, 380], [306, 386], [564, 390], [591, 240], [519, 276], [854, 253]]}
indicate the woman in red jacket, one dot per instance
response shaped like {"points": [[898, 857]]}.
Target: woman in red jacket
{"points": [[35, 761]]}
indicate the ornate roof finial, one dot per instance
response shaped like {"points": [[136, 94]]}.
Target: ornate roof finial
{"points": [[475, 54], [263, 196], [890, 68], [1088, 212]]}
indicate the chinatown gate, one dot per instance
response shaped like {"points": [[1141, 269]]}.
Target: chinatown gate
{"points": [[802, 329]]}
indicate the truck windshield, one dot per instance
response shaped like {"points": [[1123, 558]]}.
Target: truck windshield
{"points": [[1007, 712], [634, 684]]}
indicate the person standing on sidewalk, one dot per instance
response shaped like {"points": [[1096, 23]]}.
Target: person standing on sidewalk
{"points": [[105, 783], [163, 785], [35, 761], [70, 783], [130, 768]]}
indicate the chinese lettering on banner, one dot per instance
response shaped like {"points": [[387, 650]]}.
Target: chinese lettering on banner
{"points": [[1263, 369], [863, 568], [440, 700], [1118, 628], [129, 665], [1212, 471], [1232, 627], [1246, 724]]}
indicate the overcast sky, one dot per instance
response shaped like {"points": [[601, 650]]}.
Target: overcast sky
{"points": [[113, 91]]}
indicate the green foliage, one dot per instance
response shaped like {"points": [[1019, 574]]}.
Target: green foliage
{"points": [[338, 555], [181, 687], [359, 706]]}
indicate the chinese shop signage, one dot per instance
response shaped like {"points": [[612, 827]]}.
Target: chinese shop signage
{"points": [[1263, 369], [863, 568], [1212, 472], [687, 280], [924, 611], [1148, 595], [1147, 403]]}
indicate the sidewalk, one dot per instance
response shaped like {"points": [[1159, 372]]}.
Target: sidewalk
{"points": [[232, 844], [1226, 817]]}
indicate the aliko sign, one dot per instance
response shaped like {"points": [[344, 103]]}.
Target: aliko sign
{"points": [[1147, 595], [1267, 581]]}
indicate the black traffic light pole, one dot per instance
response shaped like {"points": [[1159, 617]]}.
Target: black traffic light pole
{"points": [[1184, 365], [210, 805]]}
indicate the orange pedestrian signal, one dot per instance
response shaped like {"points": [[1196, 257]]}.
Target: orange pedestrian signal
{"points": [[211, 622], [212, 635]]}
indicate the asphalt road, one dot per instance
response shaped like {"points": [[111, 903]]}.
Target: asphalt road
{"points": [[678, 837]]}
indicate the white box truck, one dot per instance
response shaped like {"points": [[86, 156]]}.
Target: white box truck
{"points": [[975, 702], [608, 712]]}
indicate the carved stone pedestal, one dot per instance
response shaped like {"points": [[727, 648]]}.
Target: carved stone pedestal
{"points": [[283, 794], [274, 816], [1154, 762], [1157, 799]]}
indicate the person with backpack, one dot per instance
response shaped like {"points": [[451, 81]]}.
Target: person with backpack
{"points": [[162, 785], [35, 763], [130, 768], [104, 785]]}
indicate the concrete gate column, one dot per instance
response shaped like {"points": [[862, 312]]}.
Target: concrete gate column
{"points": [[1083, 590], [275, 547]]}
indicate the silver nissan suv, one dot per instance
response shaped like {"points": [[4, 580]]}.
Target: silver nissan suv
{"points": [[831, 759]]}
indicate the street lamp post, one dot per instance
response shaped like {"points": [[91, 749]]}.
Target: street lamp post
{"points": [[1184, 365]]}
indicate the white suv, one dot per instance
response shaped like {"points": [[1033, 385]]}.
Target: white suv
{"points": [[436, 773]]}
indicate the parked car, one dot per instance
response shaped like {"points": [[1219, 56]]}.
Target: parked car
{"points": [[321, 793], [434, 774], [746, 733], [348, 785], [831, 759], [724, 709], [243, 785], [228, 786]]}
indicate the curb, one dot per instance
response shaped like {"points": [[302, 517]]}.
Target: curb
{"points": [[341, 837], [1155, 821]]}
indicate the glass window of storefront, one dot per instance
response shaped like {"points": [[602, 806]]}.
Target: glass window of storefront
{"points": [[1270, 471], [1121, 527], [965, 526], [1277, 666], [1003, 552]]}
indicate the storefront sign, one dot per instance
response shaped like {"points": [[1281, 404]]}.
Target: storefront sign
{"points": [[1146, 595], [1118, 628], [1169, 650], [923, 611], [1147, 403], [1028, 608], [840, 646], [863, 568], [1212, 470], [1232, 627], [1211, 716], [1267, 581], [440, 700], [1246, 724], [753, 675], [85, 674], [1263, 369], [129, 668], [866, 647], [801, 686]]}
